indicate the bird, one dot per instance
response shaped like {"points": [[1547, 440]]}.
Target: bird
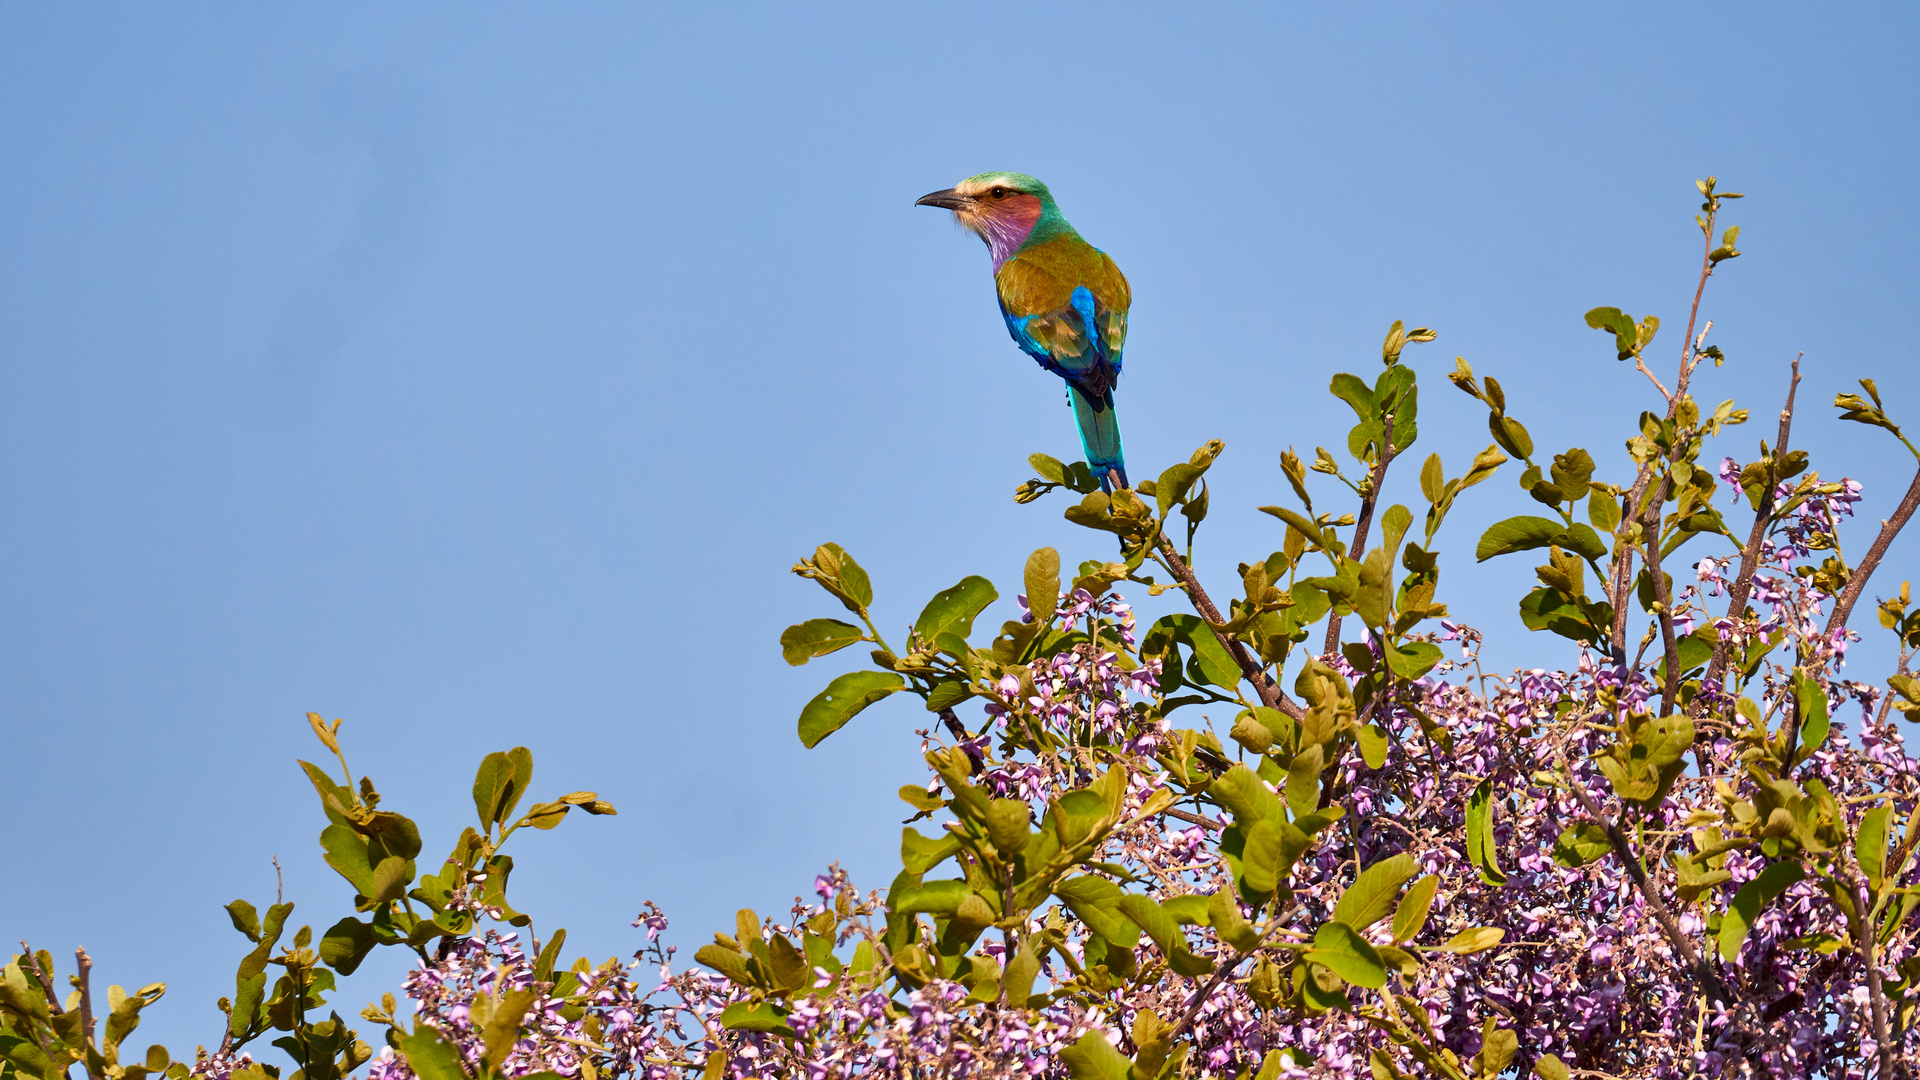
{"points": [[1064, 301]]}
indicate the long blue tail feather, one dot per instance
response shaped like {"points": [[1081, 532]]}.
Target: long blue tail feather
{"points": [[1100, 436]]}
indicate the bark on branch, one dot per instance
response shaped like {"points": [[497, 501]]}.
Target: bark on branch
{"points": [[1270, 695]]}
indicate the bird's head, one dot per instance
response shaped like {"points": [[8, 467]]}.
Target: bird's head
{"points": [[1002, 208]]}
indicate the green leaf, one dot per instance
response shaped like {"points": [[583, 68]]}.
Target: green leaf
{"points": [[427, 1052], [950, 692], [1356, 393], [1246, 797], [1371, 896], [855, 586], [1511, 434], [1094, 1058], [1393, 527], [1480, 840], [1262, 857], [1411, 659], [1165, 932], [842, 700], [727, 962], [1096, 902], [920, 854], [1582, 541], [1008, 825], [1371, 600], [1048, 468], [790, 969], [1190, 910], [1173, 485], [920, 799], [345, 944], [1374, 744], [1223, 913], [1410, 917], [346, 852], [1043, 583], [1303, 781], [1870, 845], [1517, 534], [1249, 732], [245, 919], [249, 992], [1344, 952], [1570, 617], [390, 879], [952, 610], [500, 782], [1497, 1047], [755, 1016], [1618, 323], [1474, 939], [817, 637], [1017, 981], [1215, 664], [1580, 844], [1747, 903], [933, 897], [1603, 510], [1301, 523], [1572, 472], [1548, 1067], [1694, 649], [1814, 723]]}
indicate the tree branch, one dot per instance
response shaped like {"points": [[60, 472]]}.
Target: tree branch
{"points": [[1702, 970], [46, 983], [1193, 819], [1270, 695], [1857, 581], [1742, 586], [1670, 686], [1220, 975], [1865, 940], [85, 963], [1623, 560]]}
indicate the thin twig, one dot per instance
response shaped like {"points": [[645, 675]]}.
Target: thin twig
{"points": [[1701, 968], [1671, 684], [85, 963], [1689, 347], [1375, 480], [1193, 819], [1623, 560], [46, 983], [1877, 996], [1225, 969], [1651, 377], [1742, 586], [1270, 695], [1857, 582]]}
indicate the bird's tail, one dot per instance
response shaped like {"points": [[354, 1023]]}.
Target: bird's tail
{"points": [[1100, 436]]}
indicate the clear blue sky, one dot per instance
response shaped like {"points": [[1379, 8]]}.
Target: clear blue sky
{"points": [[475, 372]]}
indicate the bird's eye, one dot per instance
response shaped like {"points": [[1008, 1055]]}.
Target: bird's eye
{"points": [[1000, 193]]}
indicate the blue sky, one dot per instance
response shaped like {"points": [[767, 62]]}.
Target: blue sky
{"points": [[475, 372]]}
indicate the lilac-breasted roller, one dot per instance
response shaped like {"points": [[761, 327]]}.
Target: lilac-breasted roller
{"points": [[1064, 300]]}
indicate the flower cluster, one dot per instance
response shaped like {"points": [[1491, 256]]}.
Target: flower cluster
{"points": [[1617, 968]]}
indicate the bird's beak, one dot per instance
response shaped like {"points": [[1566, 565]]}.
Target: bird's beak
{"points": [[946, 200]]}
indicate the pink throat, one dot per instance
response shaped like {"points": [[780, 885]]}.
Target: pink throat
{"points": [[1003, 235], [1006, 229]]}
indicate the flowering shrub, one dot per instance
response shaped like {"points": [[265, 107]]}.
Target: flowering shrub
{"points": [[1689, 855]]}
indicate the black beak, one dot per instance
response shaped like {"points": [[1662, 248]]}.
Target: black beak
{"points": [[946, 200]]}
